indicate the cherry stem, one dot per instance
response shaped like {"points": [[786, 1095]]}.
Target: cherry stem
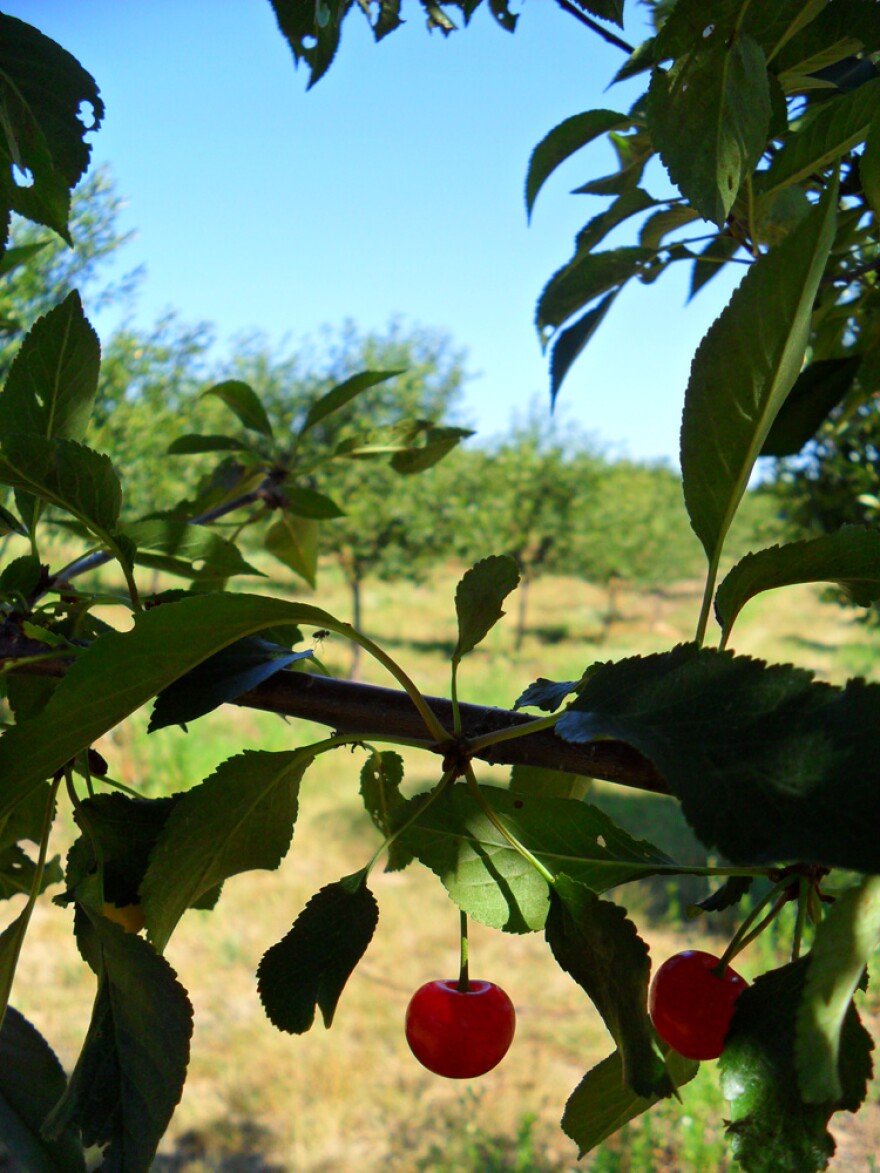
{"points": [[745, 934], [464, 984], [803, 905]]}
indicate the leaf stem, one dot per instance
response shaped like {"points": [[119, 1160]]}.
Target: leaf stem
{"points": [[507, 834], [511, 732], [446, 779], [746, 933]]}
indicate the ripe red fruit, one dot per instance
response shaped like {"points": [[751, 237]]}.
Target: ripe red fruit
{"points": [[691, 1006], [460, 1034]]}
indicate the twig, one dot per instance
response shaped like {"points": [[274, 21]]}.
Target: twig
{"points": [[595, 27]]}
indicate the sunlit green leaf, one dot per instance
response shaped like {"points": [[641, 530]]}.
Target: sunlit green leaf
{"points": [[244, 402], [478, 599], [563, 141], [343, 394], [294, 541]]}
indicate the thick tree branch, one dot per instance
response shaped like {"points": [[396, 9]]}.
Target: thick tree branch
{"points": [[374, 712]]}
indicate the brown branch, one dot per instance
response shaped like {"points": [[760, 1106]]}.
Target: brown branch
{"points": [[373, 713]]}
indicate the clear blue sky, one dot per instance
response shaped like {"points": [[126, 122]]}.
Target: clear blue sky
{"points": [[394, 186]]}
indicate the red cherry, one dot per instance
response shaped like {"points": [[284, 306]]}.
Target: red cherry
{"points": [[460, 1034], [691, 1006]]}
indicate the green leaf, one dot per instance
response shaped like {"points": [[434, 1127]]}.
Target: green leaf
{"points": [[562, 142], [602, 1102], [18, 872], [818, 389], [216, 556], [15, 258], [123, 830], [239, 819], [437, 442], [767, 763], [838, 126], [491, 881], [771, 1127], [51, 386], [294, 542], [547, 695], [850, 557], [120, 672], [65, 474], [743, 370], [244, 403], [478, 599], [657, 227], [717, 95], [381, 776], [9, 523], [343, 394], [220, 679], [194, 442], [21, 576], [729, 894], [845, 940], [573, 340], [595, 943], [629, 203], [311, 503], [308, 969], [31, 1082], [869, 167], [130, 1073], [586, 276], [537, 782], [711, 261], [42, 88]]}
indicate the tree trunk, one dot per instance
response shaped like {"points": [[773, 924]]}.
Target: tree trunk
{"points": [[521, 612]]}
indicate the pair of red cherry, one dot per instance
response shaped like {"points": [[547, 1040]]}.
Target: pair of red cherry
{"points": [[464, 1029]]}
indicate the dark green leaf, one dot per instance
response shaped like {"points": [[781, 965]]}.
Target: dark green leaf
{"points": [[343, 394], [124, 830], [51, 386], [818, 389], [586, 276], [294, 541], [130, 1073], [836, 128], [220, 679], [711, 261], [9, 523], [546, 695], [120, 672], [605, 9], [595, 943], [31, 1082], [21, 575], [14, 258], [850, 557], [18, 872], [243, 401], [743, 370], [730, 893], [42, 88], [65, 474], [239, 819], [718, 96], [629, 203], [562, 142], [845, 940], [771, 1127], [657, 227], [869, 167], [492, 881], [768, 764], [308, 969], [602, 1102], [573, 340], [193, 442], [381, 776], [478, 599], [215, 556]]}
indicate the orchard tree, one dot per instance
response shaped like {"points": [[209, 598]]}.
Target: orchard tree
{"points": [[766, 118]]}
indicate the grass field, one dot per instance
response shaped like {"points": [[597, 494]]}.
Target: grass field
{"points": [[353, 1098]]}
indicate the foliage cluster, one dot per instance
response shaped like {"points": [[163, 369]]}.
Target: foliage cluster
{"points": [[775, 772]]}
